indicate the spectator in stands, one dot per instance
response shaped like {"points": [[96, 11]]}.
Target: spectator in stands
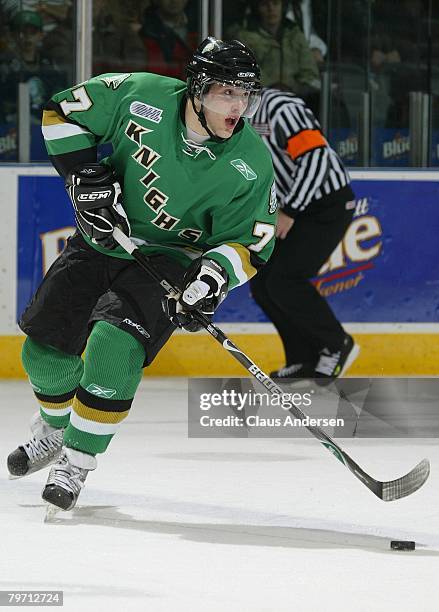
{"points": [[399, 31], [399, 54], [235, 14], [4, 32], [59, 45], [23, 62], [117, 46], [170, 36], [52, 12], [281, 48], [301, 11]]}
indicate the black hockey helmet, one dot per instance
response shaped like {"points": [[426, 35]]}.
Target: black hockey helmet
{"points": [[230, 64], [226, 62]]}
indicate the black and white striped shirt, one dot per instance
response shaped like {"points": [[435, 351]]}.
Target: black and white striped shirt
{"points": [[306, 168]]}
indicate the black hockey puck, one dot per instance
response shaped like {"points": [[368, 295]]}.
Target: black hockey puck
{"points": [[402, 545]]}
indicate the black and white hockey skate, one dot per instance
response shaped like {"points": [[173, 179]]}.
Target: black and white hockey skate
{"points": [[67, 478], [334, 364], [42, 449]]}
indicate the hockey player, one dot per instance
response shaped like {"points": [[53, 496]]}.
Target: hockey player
{"points": [[192, 183], [317, 205]]}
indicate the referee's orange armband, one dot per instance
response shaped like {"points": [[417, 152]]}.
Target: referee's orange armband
{"points": [[305, 141]]}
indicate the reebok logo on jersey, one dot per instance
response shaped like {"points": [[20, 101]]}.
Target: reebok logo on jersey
{"points": [[139, 328], [244, 169], [116, 80], [101, 391], [140, 109]]}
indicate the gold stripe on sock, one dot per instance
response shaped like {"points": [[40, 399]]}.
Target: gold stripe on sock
{"points": [[54, 406], [99, 416]]}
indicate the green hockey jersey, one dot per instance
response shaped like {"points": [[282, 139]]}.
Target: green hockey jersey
{"points": [[181, 198]]}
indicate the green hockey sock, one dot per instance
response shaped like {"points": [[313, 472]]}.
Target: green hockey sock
{"points": [[54, 377], [112, 372]]}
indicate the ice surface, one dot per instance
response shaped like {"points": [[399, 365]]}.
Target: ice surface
{"points": [[172, 524]]}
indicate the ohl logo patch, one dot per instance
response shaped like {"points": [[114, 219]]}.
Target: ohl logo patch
{"points": [[244, 169]]}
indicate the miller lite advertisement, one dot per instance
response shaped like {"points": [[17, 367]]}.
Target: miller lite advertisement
{"points": [[384, 270]]}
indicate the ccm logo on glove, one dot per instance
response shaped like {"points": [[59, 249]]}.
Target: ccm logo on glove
{"points": [[97, 200], [94, 195]]}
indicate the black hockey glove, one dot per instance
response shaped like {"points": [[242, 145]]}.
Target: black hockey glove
{"points": [[205, 287], [96, 196]]}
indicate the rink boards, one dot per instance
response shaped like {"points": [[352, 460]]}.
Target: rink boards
{"points": [[382, 280]]}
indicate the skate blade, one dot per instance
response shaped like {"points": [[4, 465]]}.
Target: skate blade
{"points": [[12, 477], [51, 512]]}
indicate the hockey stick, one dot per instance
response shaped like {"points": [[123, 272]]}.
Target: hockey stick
{"points": [[385, 490]]}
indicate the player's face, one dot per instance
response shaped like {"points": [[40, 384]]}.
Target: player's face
{"points": [[223, 106]]}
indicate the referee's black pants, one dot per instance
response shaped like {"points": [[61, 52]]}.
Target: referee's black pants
{"points": [[303, 318]]}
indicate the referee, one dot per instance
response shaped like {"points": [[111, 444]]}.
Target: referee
{"points": [[317, 205]]}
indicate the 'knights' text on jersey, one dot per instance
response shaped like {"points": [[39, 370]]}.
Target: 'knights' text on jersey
{"points": [[182, 198]]}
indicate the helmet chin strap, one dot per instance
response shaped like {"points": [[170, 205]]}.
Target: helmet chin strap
{"points": [[202, 119]]}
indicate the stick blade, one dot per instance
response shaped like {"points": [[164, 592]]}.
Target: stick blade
{"points": [[408, 484]]}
